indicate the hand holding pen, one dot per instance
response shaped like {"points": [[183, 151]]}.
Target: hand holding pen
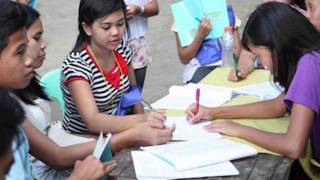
{"points": [[204, 27], [196, 112], [235, 74]]}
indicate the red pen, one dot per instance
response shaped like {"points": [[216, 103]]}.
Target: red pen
{"points": [[197, 100]]}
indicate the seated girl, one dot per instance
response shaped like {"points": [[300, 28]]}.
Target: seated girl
{"points": [[289, 44], [35, 102], [95, 76], [247, 61]]}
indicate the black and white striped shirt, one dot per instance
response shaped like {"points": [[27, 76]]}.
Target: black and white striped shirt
{"points": [[81, 66]]}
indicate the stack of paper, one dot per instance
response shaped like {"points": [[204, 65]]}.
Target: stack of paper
{"points": [[148, 166], [200, 152], [181, 97], [187, 131]]}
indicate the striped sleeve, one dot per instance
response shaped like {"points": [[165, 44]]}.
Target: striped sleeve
{"points": [[74, 69], [125, 50]]}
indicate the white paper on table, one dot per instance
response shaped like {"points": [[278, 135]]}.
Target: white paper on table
{"points": [[181, 97], [201, 152], [148, 166], [264, 91], [187, 131], [62, 138]]}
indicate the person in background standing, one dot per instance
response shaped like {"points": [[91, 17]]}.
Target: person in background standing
{"points": [[138, 12]]}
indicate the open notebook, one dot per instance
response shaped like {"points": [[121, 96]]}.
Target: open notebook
{"points": [[148, 166], [187, 131], [181, 97], [199, 153]]}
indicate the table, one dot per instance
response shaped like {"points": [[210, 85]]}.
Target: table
{"points": [[265, 165], [259, 167]]}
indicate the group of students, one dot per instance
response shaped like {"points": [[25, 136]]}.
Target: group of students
{"points": [[98, 70]]}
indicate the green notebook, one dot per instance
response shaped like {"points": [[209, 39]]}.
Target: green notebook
{"points": [[102, 150], [188, 13]]}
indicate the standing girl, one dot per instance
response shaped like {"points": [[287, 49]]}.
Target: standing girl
{"points": [[138, 12]]}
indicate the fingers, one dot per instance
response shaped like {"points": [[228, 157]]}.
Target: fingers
{"points": [[191, 111], [166, 132], [232, 75], [156, 124], [157, 115], [109, 166], [78, 162]]}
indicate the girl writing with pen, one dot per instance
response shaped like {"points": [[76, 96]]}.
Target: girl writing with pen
{"points": [[289, 45], [194, 71], [248, 61]]}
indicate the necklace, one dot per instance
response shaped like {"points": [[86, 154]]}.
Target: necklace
{"points": [[93, 57]]}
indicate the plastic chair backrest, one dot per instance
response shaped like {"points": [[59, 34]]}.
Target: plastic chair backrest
{"points": [[51, 83]]}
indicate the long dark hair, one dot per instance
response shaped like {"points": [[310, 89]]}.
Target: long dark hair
{"points": [[12, 19], [91, 10], [286, 33], [12, 115], [34, 89]]}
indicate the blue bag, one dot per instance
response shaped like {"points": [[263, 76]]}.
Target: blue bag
{"points": [[209, 52], [129, 98], [210, 49]]}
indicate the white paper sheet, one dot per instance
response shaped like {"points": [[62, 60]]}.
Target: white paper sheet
{"points": [[181, 97], [148, 166], [264, 91], [201, 152], [187, 131]]}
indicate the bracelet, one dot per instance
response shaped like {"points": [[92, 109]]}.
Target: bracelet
{"points": [[141, 10]]}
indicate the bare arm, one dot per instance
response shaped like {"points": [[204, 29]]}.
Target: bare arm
{"points": [[259, 110], [49, 152], [291, 144], [147, 133], [150, 9], [96, 121], [189, 52]]}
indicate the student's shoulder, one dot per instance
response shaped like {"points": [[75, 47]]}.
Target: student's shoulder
{"points": [[77, 58], [311, 59]]}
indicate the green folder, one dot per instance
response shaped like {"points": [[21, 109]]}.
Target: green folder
{"points": [[188, 13]]}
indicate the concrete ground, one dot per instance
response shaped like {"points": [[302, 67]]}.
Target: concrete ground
{"points": [[60, 23]]}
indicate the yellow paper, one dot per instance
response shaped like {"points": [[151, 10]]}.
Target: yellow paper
{"points": [[175, 113], [219, 78], [276, 125]]}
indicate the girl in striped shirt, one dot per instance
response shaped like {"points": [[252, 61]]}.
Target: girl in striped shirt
{"points": [[95, 75]]}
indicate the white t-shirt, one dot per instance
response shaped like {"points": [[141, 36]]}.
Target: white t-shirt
{"points": [[138, 25]]}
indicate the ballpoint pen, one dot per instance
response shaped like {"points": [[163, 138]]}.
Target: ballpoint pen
{"points": [[197, 100]]}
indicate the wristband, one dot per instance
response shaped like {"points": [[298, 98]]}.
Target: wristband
{"points": [[141, 10]]}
